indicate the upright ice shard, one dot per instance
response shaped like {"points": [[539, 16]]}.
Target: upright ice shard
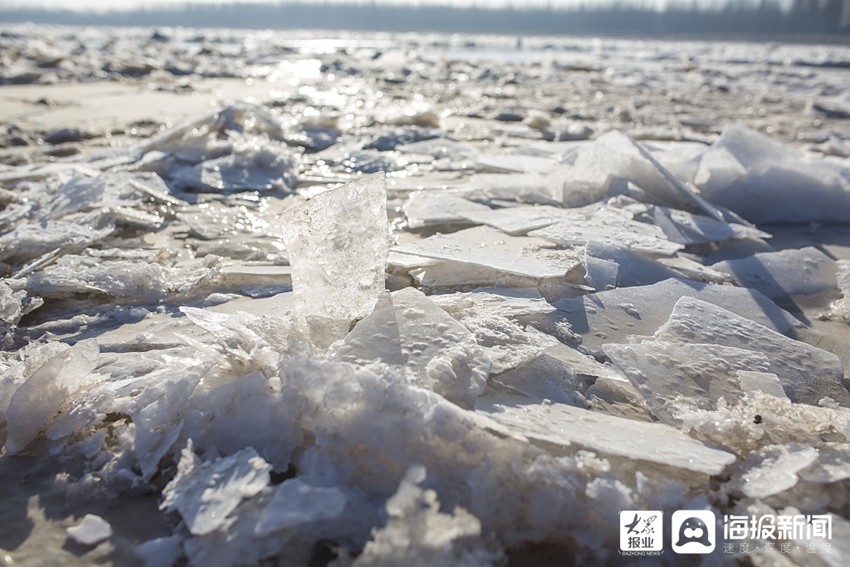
{"points": [[338, 243]]}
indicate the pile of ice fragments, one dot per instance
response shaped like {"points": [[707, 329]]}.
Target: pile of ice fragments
{"points": [[389, 372]]}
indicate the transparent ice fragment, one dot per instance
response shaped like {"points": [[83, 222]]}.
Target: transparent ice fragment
{"points": [[671, 374], [503, 301], [87, 275], [205, 493], [784, 274], [338, 243], [486, 247], [407, 329], [565, 430], [91, 531], [193, 139], [36, 402], [295, 503], [418, 534], [807, 373], [601, 318], [515, 163], [558, 374], [772, 469]]}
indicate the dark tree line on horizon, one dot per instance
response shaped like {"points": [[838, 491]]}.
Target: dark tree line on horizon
{"points": [[761, 18]]}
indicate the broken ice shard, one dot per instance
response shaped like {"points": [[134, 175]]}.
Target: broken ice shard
{"points": [[407, 329], [487, 247], [784, 274], [254, 165], [296, 502], [773, 469], [609, 226], [807, 373], [91, 531], [205, 493], [766, 182], [669, 375], [608, 265], [612, 316], [438, 208], [559, 427], [37, 401], [338, 243]]}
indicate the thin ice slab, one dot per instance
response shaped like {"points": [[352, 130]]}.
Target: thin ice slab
{"points": [[489, 248], [689, 228], [562, 428], [612, 316], [670, 374], [521, 220], [807, 373], [609, 226], [784, 274], [436, 208]]}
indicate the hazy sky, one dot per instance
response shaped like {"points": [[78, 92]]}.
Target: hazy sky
{"points": [[131, 4]]}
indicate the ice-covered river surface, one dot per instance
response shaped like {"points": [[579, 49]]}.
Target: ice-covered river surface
{"points": [[282, 299]]}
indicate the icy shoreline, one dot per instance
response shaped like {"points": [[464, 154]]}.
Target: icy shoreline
{"points": [[399, 310]]}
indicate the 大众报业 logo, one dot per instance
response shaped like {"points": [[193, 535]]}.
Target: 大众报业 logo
{"points": [[641, 532], [693, 531]]}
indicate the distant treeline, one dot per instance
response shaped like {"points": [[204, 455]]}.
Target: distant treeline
{"points": [[762, 18]]}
